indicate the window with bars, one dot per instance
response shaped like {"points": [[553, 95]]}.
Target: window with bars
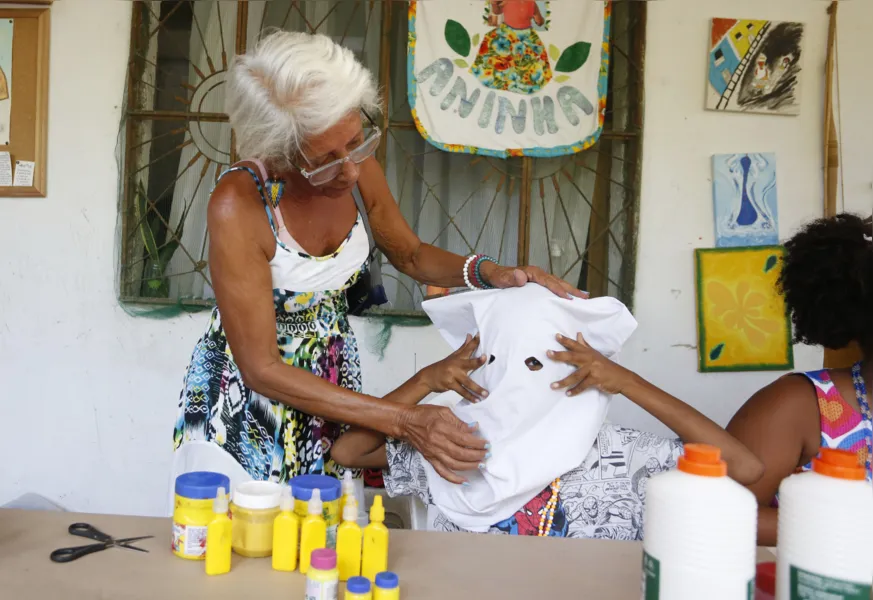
{"points": [[575, 216]]}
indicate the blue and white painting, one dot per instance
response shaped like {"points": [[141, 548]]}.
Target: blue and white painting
{"points": [[744, 200]]}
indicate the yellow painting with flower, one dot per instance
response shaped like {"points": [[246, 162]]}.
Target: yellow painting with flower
{"points": [[742, 322]]}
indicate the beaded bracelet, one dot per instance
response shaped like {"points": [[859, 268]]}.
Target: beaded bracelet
{"points": [[468, 272], [477, 271]]}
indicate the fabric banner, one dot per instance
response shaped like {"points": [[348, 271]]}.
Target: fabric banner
{"points": [[508, 77]]}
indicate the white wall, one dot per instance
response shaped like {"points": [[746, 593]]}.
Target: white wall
{"points": [[88, 394]]}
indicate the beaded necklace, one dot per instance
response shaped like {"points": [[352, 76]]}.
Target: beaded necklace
{"points": [[861, 395], [549, 511]]}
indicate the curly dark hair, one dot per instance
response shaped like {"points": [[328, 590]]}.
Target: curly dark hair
{"points": [[827, 282]]}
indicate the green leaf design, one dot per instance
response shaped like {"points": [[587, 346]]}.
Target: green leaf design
{"points": [[457, 37], [475, 40], [554, 52], [772, 261], [461, 63], [715, 353], [573, 57], [562, 78]]}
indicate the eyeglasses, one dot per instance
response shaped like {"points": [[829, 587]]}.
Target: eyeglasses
{"points": [[331, 170]]}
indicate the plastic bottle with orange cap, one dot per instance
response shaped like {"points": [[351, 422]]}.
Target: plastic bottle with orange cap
{"points": [[826, 531], [700, 530]]}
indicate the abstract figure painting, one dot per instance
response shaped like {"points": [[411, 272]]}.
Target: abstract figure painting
{"points": [[755, 66], [742, 323], [744, 200]]}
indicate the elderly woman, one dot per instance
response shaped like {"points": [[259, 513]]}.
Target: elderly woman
{"points": [[278, 369]]}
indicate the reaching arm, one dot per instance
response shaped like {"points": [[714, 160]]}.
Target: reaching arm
{"points": [[780, 424], [596, 371], [428, 264], [365, 449], [240, 247]]}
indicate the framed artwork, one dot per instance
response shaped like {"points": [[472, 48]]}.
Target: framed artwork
{"points": [[521, 78], [744, 200], [24, 68], [755, 66], [742, 322]]}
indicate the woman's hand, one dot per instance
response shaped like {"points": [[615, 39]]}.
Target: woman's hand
{"points": [[446, 442], [593, 370], [452, 373], [508, 277]]}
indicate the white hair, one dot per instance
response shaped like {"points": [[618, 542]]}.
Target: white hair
{"points": [[290, 87]]}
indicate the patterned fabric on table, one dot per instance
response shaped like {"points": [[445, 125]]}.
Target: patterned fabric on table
{"points": [[268, 439], [842, 426], [604, 498]]}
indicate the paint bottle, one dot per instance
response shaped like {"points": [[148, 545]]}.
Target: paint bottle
{"points": [[193, 510], [313, 531], [286, 534], [825, 528], [348, 490], [218, 536], [387, 586], [330, 490], [349, 542], [322, 579], [700, 531], [254, 507], [375, 551], [358, 588]]}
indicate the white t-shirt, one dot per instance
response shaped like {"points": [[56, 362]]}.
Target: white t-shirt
{"points": [[536, 433]]}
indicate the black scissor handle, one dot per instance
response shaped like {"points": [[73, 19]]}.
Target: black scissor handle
{"points": [[89, 531], [65, 555]]}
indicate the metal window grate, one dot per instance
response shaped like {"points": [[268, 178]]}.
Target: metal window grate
{"points": [[574, 216]]}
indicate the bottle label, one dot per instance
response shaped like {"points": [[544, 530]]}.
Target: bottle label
{"points": [[189, 540], [806, 585], [651, 577], [321, 590]]}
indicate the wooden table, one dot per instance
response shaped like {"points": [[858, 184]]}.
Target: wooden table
{"points": [[431, 566]]}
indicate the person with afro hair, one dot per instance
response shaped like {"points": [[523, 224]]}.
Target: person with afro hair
{"points": [[827, 283]]}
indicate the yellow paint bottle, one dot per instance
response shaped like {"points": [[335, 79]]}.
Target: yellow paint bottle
{"points": [[375, 554], [358, 588], [387, 586], [347, 490], [313, 531], [286, 534], [349, 541], [218, 537]]}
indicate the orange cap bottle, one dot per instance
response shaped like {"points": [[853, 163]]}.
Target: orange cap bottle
{"points": [[703, 460], [840, 464]]}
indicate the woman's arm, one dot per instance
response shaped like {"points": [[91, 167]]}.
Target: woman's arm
{"points": [[428, 264], [596, 371], [780, 424], [240, 247], [365, 449]]}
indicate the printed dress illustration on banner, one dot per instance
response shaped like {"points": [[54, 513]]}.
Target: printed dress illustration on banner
{"points": [[508, 77]]}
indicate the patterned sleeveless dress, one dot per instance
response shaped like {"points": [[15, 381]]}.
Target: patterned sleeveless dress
{"points": [[270, 440]]}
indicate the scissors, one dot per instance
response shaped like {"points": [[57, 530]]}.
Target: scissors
{"points": [[85, 530]]}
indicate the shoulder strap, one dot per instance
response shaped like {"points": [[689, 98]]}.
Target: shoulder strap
{"points": [[375, 267], [261, 168], [259, 182]]}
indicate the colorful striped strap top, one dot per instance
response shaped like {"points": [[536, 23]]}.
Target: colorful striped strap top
{"points": [[842, 426]]}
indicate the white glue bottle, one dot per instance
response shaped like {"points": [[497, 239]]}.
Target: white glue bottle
{"points": [[826, 531], [699, 530]]}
